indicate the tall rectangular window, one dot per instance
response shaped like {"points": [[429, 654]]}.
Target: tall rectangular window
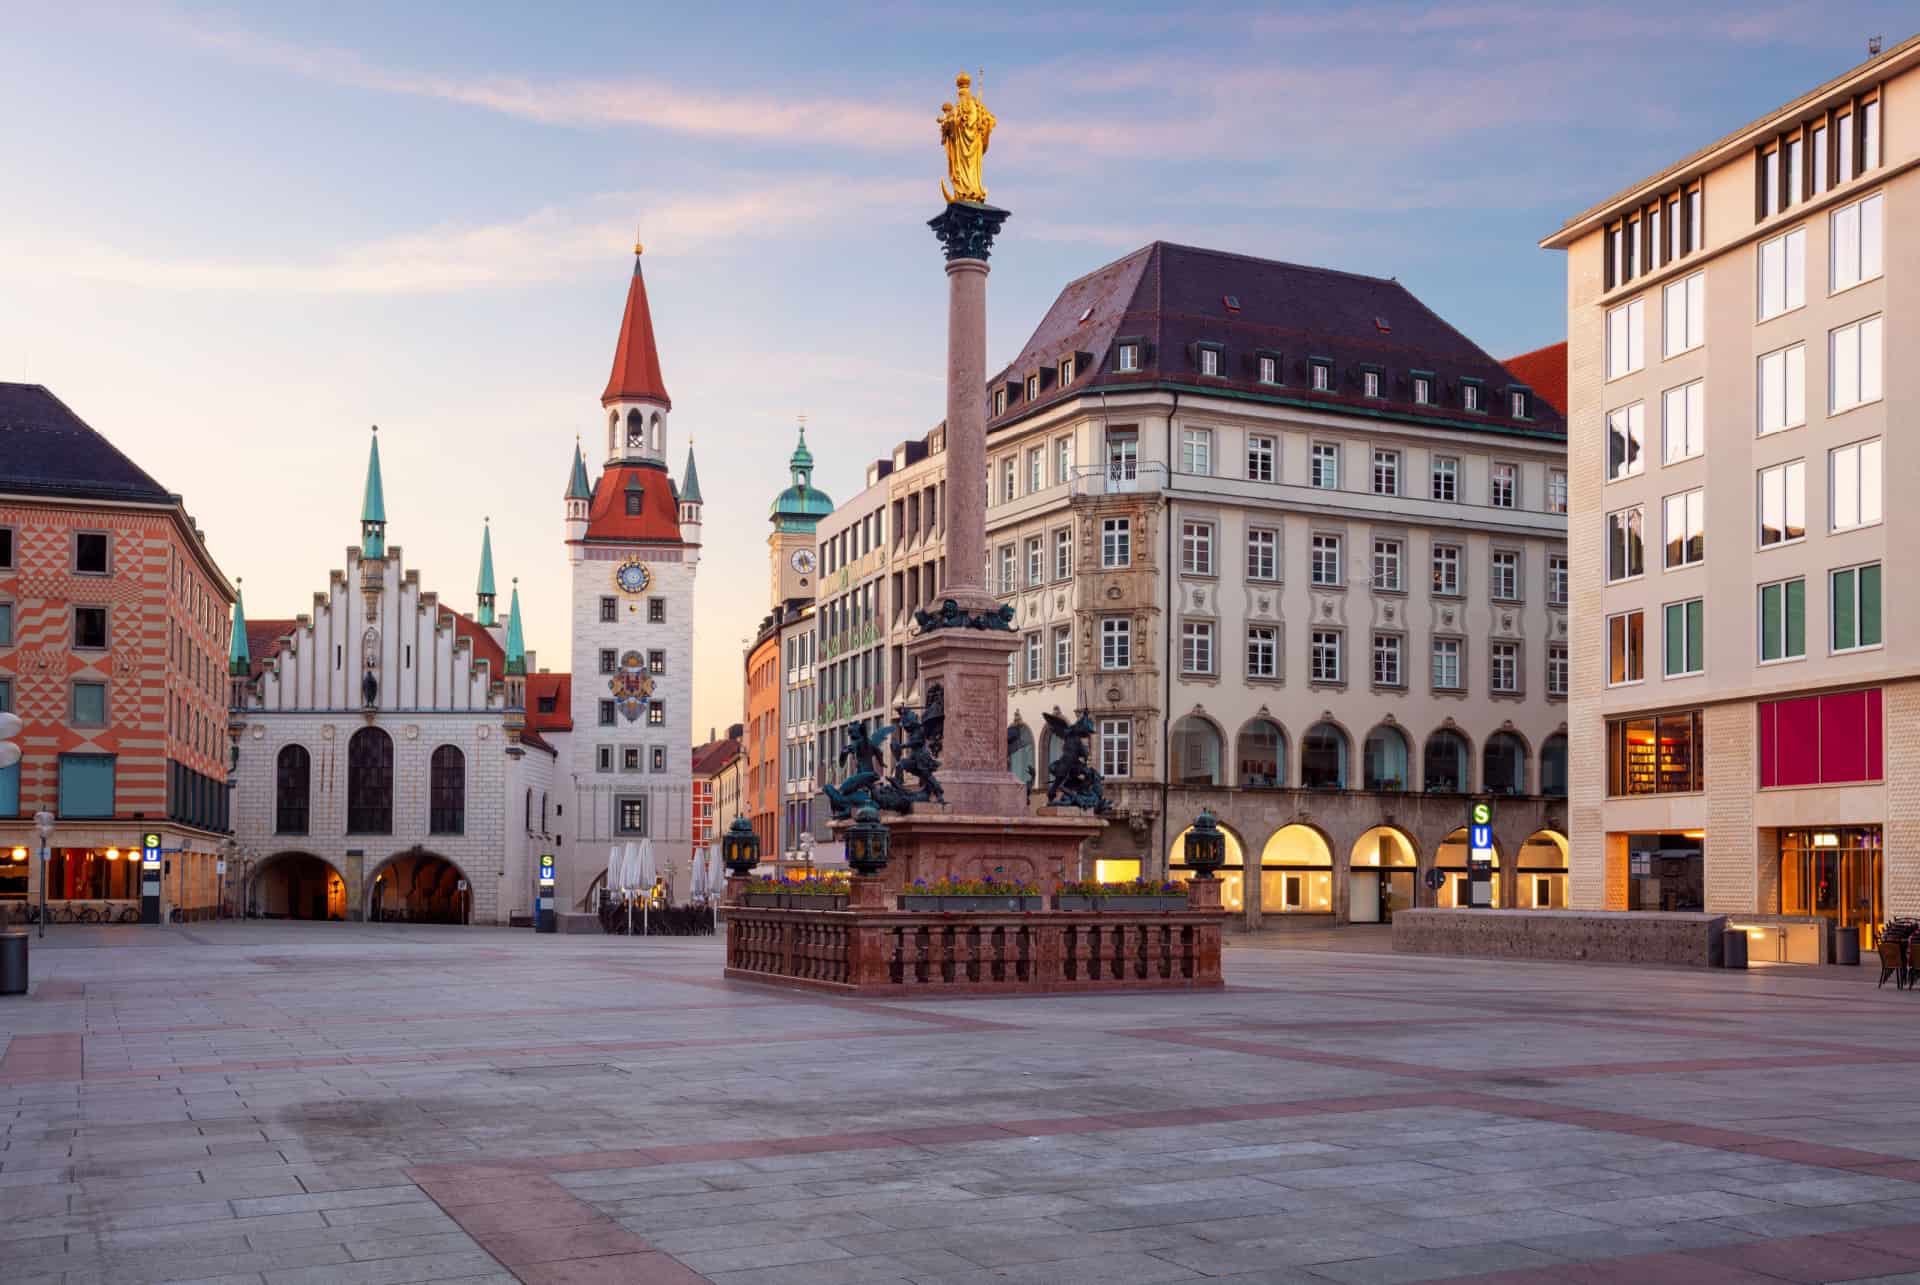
{"points": [[1686, 518], [1503, 667], [1196, 647], [1626, 552], [1036, 470], [1116, 642], [1062, 651], [1116, 747], [1626, 339], [1263, 554], [6, 624], [1446, 478], [1007, 584], [1556, 579], [1325, 655], [1036, 562], [1008, 482], [1684, 314], [1684, 635], [1196, 451], [1626, 441], [1683, 412], [1783, 273], [90, 628], [1033, 657], [1446, 569], [609, 611], [89, 704], [1386, 660], [1783, 620], [1196, 548], [1326, 560], [1503, 486], [1854, 369], [1854, 487], [1386, 472], [1843, 146], [1626, 652], [1783, 389], [1263, 651], [1116, 542], [1062, 553], [1062, 461], [1819, 158], [1556, 490], [1260, 456], [1854, 248], [1557, 668], [1870, 134], [1503, 575], [1386, 566], [1422, 390], [1674, 249], [1855, 598], [1446, 664], [1796, 172], [1269, 371], [1325, 471]]}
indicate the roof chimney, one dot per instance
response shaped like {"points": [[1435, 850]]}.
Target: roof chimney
{"points": [[1873, 46]]}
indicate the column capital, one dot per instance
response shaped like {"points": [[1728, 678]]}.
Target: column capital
{"points": [[967, 228]]}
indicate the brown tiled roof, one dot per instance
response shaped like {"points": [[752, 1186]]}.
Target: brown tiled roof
{"points": [[528, 736], [484, 647], [659, 516], [1544, 370], [1173, 299], [711, 758], [560, 688], [263, 641]]}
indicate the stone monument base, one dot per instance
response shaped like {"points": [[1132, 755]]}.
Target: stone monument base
{"points": [[934, 843]]}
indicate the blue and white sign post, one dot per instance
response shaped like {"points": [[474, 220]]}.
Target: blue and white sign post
{"points": [[1480, 856], [150, 877], [544, 919]]}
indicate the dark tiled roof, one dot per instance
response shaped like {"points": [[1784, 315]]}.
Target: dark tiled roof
{"points": [[1174, 299], [1545, 371], [528, 736], [46, 449], [710, 758]]}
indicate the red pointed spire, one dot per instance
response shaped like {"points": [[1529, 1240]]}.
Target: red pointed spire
{"points": [[636, 365]]}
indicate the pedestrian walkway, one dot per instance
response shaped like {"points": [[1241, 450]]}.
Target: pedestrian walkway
{"points": [[288, 1103]]}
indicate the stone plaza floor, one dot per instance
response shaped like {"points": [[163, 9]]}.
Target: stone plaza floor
{"points": [[291, 1103]]}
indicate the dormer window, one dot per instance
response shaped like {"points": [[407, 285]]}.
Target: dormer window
{"points": [[1269, 370], [1033, 388], [633, 504], [1322, 376], [999, 401], [1470, 395], [1517, 404], [1370, 382], [1209, 360], [1066, 371], [1423, 390], [1129, 357]]}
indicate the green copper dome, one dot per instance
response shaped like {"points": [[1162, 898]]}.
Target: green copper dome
{"points": [[801, 506]]}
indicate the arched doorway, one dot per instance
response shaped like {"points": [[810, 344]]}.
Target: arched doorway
{"points": [[1195, 750], [1380, 875], [296, 885], [418, 887], [1296, 873], [1541, 868], [1232, 876], [1450, 859]]}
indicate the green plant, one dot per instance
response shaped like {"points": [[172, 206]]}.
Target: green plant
{"points": [[1124, 888], [813, 886], [987, 887]]}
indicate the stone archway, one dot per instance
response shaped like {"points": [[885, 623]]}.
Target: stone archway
{"points": [[1297, 872], [1383, 870], [296, 885], [418, 886], [1540, 872], [1450, 859]]}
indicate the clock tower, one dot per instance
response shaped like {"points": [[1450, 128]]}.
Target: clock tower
{"points": [[794, 559], [633, 542]]}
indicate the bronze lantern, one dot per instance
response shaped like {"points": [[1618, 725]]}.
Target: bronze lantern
{"points": [[867, 842], [1206, 846], [740, 847]]}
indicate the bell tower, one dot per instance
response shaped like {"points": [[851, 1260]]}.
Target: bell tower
{"points": [[793, 555], [636, 401]]}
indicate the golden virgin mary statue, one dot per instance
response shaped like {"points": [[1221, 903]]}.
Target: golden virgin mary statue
{"points": [[965, 126]]}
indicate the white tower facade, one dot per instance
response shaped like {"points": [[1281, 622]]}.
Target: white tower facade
{"points": [[633, 560]]}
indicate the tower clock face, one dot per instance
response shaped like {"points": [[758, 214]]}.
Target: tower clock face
{"points": [[632, 576], [803, 561]]}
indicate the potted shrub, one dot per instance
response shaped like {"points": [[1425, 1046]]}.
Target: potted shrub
{"points": [[972, 894], [1132, 894]]}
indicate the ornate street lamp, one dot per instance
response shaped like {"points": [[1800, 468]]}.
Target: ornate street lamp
{"points": [[1206, 846], [867, 842], [740, 847]]}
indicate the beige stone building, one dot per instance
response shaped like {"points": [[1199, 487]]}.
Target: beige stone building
{"points": [[1298, 547], [1745, 708]]}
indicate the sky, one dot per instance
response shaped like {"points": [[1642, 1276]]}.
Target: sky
{"points": [[233, 237]]}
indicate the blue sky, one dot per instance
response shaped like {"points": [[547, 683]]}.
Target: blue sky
{"points": [[233, 237]]}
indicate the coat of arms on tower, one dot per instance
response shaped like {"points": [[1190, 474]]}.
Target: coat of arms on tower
{"points": [[631, 685]]}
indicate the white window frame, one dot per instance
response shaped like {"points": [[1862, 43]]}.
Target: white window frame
{"points": [[1129, 357], [1557, 568], [1196, 647], [1116, 642], [1503, 667], [1559, 667], [1789, 480], [1867, 363], [1423, 390], [1370, 383], [1683, 314], [1323, 560], [1196, 548], [1607, 654], [1388, 671], [1694, 649], [1388, 561], [1324, 653], [1386, 471], [1852, 462], [1446, 670], [1063, 553], [1626, 521], [1116, 747], [1781, 373], [1210, 361], [1269, 370], [1683, 422], [1009, 580], [1503, 575], [1557, 494], [1503, 485], [1323, 472], [1063, 461], [1626, 338], [1036, 469], [1196, 451], [1470, 395], [1689, 510], [1009, 479], [1262, 455], [1627, 424], [1035, 664], [1263, 553], [1760, 621], [1036, 561], [1782, 264], [1856, 243], [1322, 380], [1062, 651], [1116, 543], [1447, 562], [1445, 468], [1263, 651]]}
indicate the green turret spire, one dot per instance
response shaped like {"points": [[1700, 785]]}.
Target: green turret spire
{"points": [[516, 645], [801, 506], [486, 573], [373, 509], [690, 486], [577, 488], [239, 660]]}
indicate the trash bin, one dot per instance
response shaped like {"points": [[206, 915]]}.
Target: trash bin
{"points": [[1733, 948], [13, 963], [1846, 946]]}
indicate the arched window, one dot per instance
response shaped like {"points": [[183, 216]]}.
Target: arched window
{"points": [[1323, 758], [529, 819], [656, 430], [1446, 765], [292, 789], [636, 430], [1196, 752], [1261, 751], [1503, 768], [1553, 766], [543, 812], [1384, 761], [1020, 753], [447, 786], [613, 433], [370, 782]]}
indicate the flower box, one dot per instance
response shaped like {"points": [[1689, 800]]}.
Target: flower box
{"points": [[932, 901], [816, 901], [1092, 901]]}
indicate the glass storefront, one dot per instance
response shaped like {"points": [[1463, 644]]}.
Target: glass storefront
{"points": [[93, 874], [1654, 755], [1834, 873], [1666, 872]]}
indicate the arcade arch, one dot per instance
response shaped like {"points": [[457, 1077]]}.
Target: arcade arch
{"points": [[418, 887], [1232, 875], [296, 885], [1541, 870], [1296, 872], [1382, 870]]}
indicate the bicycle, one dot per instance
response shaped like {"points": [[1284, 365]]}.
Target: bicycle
{"points": [[130, 915]]}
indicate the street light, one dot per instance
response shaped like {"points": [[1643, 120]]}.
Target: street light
{"points": [[43, 821], [867, 842], [1206, 846], [740, 848]]}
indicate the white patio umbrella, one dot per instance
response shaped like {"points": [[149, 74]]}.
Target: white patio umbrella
{"points": [[613, 870], [699, 890], [717, 881], [647, 873], [629, 879]]}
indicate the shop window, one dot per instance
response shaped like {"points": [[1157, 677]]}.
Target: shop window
{"points": [[1823, 740], [1655, 755]]}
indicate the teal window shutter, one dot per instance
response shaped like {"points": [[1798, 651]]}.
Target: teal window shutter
{"points": [[1870, 605], [1696, 635], [10, 791], [86, 785], [1676, 638], [1770, 621], [1845, 634], [6, 624], [1796, 617]]}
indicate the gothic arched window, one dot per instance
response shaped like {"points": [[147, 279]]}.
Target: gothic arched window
{"points": [[529, 811], [636, 431], [447, 786], [370, 782], [293, 788]]}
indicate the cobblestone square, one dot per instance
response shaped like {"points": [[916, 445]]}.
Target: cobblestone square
{"points": [[290, 1102]]}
